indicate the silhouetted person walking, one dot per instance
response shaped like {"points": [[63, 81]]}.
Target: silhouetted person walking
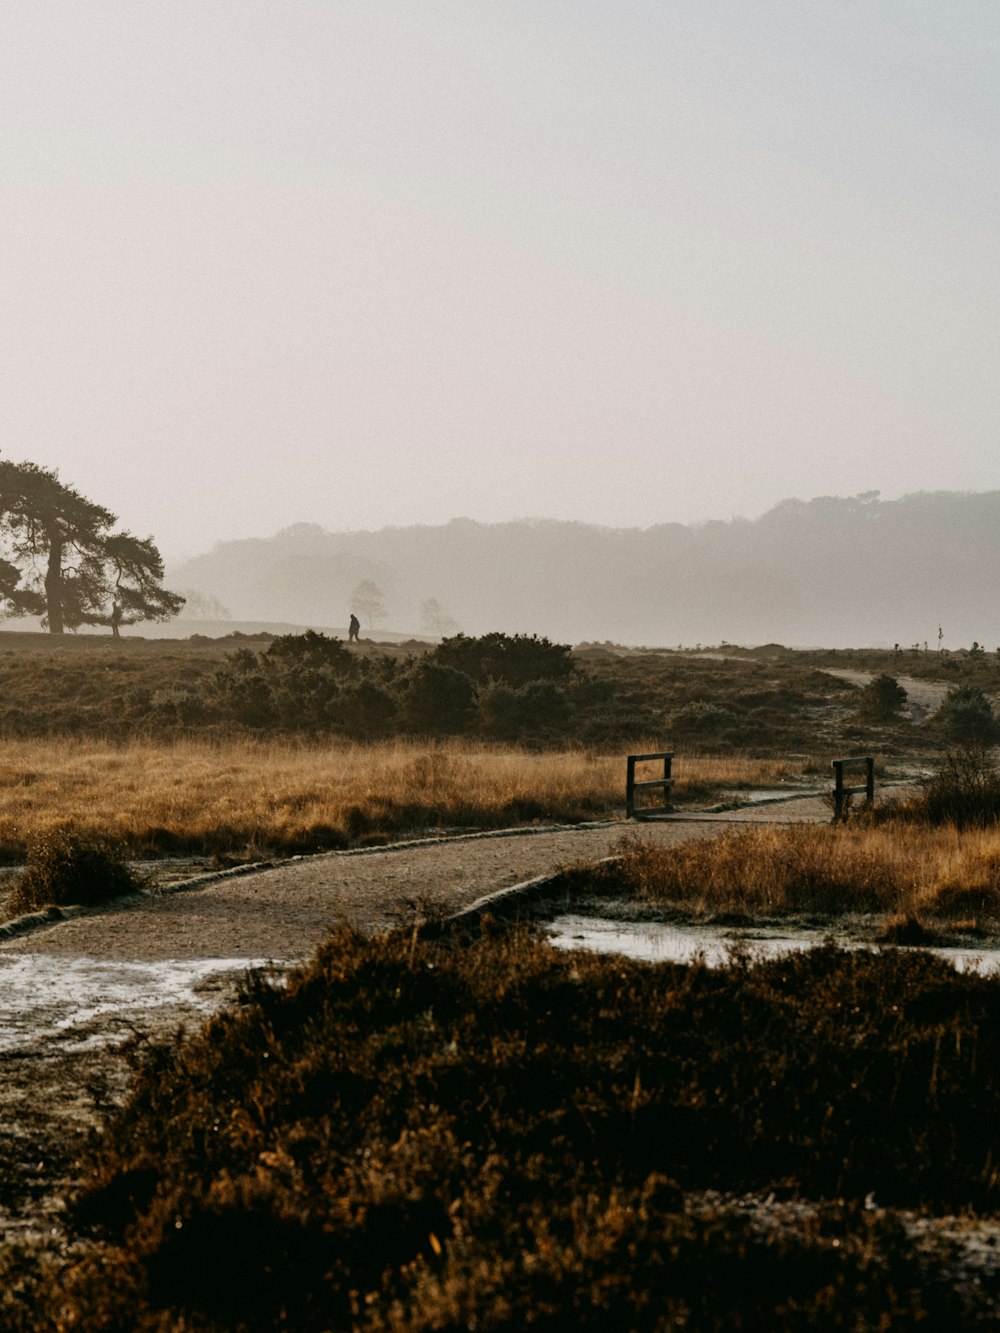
{"points": [[353, 630]]}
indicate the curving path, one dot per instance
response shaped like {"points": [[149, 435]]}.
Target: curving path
{"points": [[923, 697], [283, 912]]}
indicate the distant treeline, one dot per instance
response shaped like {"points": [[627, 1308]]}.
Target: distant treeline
{"points": [[832, 570]]}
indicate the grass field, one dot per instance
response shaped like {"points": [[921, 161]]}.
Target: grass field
{"points": [[248, 798], [901, 869]]}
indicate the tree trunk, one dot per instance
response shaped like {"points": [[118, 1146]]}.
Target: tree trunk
{"points": [[53, 586]]}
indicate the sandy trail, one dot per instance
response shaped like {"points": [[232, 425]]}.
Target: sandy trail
{"points": [[283, 913], [923, 697]]}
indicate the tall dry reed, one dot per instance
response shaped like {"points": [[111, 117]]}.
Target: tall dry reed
{"points": [[902, 869], [249, 795]]}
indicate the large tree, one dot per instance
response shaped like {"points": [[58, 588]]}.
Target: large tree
{"points": [[76, 569]]}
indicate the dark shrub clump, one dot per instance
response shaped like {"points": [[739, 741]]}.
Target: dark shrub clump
{"points": [[65, 868], [965, 791], [967, 716], [882, 699], [442, 1134]]}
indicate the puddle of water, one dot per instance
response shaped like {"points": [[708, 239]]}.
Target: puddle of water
{"points": [[658, 942], [44, 997]]}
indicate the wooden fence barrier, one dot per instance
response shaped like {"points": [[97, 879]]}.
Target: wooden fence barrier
{"points": [[842, 793], [663, 784]]}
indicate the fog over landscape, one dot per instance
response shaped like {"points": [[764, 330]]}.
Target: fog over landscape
{"points": [[626, 266], [833, 571], [499, 665]]}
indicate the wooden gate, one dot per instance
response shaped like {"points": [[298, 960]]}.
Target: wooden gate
{"points": [[841, 794], [662, 784]]}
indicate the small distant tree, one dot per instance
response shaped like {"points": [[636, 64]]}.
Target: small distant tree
{"points": [[203, 606], [435, 620], [882, 699], [368, 602]]}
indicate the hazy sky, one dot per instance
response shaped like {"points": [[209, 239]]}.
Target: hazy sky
{"points": [[624, 261]]}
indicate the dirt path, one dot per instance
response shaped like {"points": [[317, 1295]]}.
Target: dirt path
{"points": [[284, 912], [923, 697]]}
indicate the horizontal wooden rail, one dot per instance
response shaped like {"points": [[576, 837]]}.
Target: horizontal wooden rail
{"points": [[663, 784]]}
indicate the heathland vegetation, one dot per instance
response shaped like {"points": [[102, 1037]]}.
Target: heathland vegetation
{"points": [[251, 798], [447, 1132], [519, 689], [252, 747], [897, 870], [456, 1126], [921, 865]]}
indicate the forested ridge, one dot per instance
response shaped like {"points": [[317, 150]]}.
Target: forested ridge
{"points": [[834, 571]]}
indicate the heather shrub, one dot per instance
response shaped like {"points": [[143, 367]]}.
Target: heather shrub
{"points": [[881, 699], [538, 709], [438, 698], [965, 791], [65, 867], [699, 718], [439, 1133], [515, 659], [967, 716]]}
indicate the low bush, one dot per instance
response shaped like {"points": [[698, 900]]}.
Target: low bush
{"points": [[432, 1134], [881, 699], [700, 718], [965, 792], [65, 867], [967, 716]]}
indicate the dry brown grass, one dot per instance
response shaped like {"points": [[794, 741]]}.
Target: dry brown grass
{"points": [[249, 797], [900, 870]]}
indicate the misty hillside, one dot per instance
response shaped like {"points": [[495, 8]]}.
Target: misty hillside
{"points": [[833, 571]]}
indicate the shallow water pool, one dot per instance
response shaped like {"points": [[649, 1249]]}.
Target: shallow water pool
{"points": [[659, 942], [83, 1002]]}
